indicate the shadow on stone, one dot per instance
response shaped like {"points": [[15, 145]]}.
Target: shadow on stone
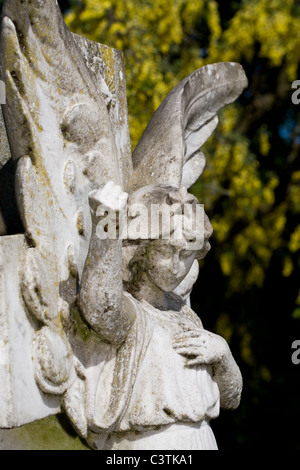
{"points": [[10, 223]]}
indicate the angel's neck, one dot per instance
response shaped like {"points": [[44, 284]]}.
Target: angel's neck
{"points": [[152, 294]]}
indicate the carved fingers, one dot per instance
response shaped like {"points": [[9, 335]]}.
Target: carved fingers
{"points": [[201, 347]]}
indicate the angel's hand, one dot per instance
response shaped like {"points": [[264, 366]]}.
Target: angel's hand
{"points": [[202, 347], [108, 198]]}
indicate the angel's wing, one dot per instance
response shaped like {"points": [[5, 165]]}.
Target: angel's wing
{"points": [[169, 150]]}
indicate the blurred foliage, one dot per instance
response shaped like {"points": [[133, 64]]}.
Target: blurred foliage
{"points": [[251, 185]]}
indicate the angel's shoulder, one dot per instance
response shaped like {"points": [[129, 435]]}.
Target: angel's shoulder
{"points": [[192, 316], [178, 304]]}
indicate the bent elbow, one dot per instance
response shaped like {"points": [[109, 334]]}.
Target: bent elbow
{"points": [[106, 318], [230, 400]]}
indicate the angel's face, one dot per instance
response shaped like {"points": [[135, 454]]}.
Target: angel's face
{"points": [[169, 262], [168, 259]]}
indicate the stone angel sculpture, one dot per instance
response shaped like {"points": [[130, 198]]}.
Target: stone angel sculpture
{"points": [[131, 362]]}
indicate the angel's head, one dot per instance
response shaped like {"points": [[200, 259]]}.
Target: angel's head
{"points": [[175, 231]]}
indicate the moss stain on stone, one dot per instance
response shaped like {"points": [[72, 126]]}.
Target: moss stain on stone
{"points": [[52, 433]]}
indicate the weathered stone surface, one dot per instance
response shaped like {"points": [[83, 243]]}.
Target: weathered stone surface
{"points": [[4, 145], [158, 377], [96, 326], [182, 124], [21, 398], [52, 433], [52, 185], [108, 66], [185, 288]]}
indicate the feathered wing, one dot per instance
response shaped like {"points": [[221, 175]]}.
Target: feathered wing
{"points": [[169, 151]]}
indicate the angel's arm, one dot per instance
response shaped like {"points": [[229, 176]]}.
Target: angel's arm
{"points": [[229, 379], [101, 289]]}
